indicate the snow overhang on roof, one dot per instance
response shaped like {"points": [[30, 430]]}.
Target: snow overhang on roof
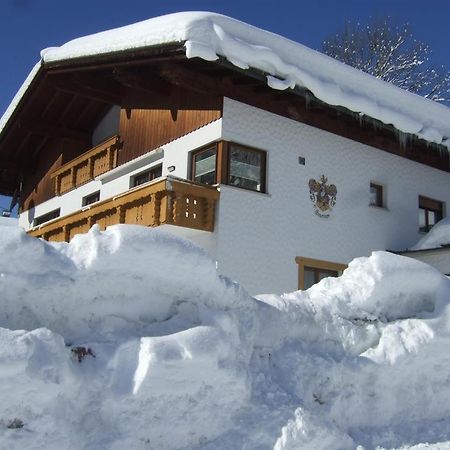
{"points": [[287, 64]]}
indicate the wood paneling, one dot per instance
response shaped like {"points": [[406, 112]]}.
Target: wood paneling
{"points": [[143, 130], [38, 183]]}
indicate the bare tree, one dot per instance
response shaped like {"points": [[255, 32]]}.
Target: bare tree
{"points": [[390, 52]]}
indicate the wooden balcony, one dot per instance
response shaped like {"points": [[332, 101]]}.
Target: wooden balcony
{"points": [[167, 201], [87, 166]]}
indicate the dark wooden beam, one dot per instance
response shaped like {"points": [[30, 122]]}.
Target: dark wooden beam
{"points": [[45, 128], [90, 93], [143, 80]]}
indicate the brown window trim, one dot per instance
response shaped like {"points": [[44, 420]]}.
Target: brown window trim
{"points": [[142, 175], [199, 151], [316, 264], [430, 204], [223, 163], [379, 202]]}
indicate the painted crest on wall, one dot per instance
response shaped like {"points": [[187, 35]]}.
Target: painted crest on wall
{"points": [[322, 195]]}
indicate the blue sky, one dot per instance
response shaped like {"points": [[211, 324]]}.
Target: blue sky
{"points": [[27, 26]]}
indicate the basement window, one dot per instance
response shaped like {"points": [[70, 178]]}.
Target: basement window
{"points": [[311, 271], [148, 175], [46, 217], [91, 198], [430, 213]]}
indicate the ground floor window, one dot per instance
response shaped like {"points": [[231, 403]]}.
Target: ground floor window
{"points": [[46, 217], [311, 271], [430, 212]]}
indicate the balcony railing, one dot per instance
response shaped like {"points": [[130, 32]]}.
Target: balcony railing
{"points": [[87, 166], [168, 201]]}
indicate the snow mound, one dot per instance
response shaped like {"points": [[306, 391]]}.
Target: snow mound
{"points": [[286, 63], [128, 338], [438, 236]]}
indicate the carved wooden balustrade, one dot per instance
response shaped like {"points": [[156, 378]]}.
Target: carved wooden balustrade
{"points": [[87, 166], [168, 201]]}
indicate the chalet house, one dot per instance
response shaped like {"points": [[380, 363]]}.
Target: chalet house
{"points": [[282, 163]]}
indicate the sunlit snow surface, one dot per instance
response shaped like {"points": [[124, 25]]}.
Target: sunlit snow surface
{"points": [[185, 359], [287, 63], [438, 236]]}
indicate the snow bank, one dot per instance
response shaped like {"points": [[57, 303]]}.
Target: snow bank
{"points": [[438, 236], [177, 357], [287, 63]]}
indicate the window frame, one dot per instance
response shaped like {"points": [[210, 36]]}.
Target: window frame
{"points": [[379, 203], [87, 197], [263, 171], [317, 265], [47, 217], [430, 205], [222, 168], [143, 173], [199, 151]]}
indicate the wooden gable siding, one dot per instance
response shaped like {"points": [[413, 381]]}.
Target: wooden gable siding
{"points": [[38, 185], [142, 130]]}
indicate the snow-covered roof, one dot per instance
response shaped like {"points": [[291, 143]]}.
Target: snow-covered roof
{"points": [[287, 63]]}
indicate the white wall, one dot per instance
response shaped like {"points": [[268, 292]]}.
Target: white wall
{"points": [[259, 235]]}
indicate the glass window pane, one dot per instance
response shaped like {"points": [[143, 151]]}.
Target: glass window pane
{"points": [[373, 195], [308, 277], [205, 166], [431, 218], [327, 273], [245, 168], [422, 220]]}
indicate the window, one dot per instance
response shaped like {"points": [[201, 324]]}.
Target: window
{"points": [[148, 175], [46, 217], [246, 168], [430, 212], [91, 198], [204, 165], [376, 195], [230, 164], [311, 271]]}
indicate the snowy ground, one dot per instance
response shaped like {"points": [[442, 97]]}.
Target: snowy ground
{"points": [[181, 358]]}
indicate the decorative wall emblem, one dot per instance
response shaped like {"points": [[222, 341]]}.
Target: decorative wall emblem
{"points": [[322, 195]]}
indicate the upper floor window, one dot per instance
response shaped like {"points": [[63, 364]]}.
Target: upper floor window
{"points": [[204, 165], [231, 164], [148, 175], [246, 168], [430, 212], [376, 195], [46, 217]]}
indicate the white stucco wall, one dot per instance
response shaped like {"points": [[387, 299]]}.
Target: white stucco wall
{"points": [[259, 235], [438, 258]]}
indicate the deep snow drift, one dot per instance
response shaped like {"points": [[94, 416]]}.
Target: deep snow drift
{"points": [[177, 357], [438, 236]]}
